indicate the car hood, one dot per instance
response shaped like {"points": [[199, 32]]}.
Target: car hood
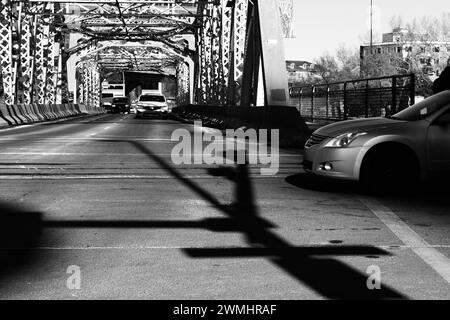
{"points": [[359, 125]]}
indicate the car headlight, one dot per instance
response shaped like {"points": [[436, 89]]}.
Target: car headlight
{"points": [[344, 140]]}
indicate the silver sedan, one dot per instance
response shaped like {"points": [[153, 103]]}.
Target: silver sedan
{"points": [[385, 152]]}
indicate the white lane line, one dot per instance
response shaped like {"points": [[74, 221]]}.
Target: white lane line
{"points": [[435, 259], [114, 154], [131, 177], [98, 248], [111, 138], [441, 246], [75, 153], [150, 247]]}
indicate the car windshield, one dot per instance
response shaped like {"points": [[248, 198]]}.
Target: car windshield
{"points": [[152, 98], [424, 108], [122, 100]]}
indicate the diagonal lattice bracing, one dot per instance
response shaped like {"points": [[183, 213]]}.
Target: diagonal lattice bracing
{"points": [[52, 68], [25, 73], [240, 36], [6, 51], [42, 63], [183, 81]]}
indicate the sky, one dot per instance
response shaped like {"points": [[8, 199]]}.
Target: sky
{"points": [[322, 25]]}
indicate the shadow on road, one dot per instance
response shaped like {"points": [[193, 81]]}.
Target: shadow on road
{"points": [[20, 231], [315, 183], [435, 191], [315, 266]]}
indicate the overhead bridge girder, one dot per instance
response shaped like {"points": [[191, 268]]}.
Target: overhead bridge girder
{"points": [[237, 57]]}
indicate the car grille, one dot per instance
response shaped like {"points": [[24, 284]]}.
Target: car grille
{"points": [[315, 139]]}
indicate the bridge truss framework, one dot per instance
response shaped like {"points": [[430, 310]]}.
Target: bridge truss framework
{"points": [[215, 48]]}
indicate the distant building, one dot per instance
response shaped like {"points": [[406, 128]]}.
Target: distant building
{"points": [[299, 71], [432, 56]]}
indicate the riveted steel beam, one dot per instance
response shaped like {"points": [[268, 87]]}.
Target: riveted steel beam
{"points": [[42, 61], [25, 73], [6, 50], [183, 81]]}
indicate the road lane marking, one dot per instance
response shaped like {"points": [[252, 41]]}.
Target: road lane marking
{"points": [[160, 247], [441, 246], [99, 248], [75, 153], [111, 138], [131, 177], [435, 259], [111, 154], [90, 137], [93, 248]]}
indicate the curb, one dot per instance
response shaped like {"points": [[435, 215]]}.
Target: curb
{"points": [[82, 116]]}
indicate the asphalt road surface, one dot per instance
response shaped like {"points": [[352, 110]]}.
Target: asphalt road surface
{"points": [[94, 208]]}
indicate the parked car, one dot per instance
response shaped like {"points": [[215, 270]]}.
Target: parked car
{"points": [[154, 105], [120, 104], [384, 153]]}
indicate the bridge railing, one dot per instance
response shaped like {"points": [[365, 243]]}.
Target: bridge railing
{"points": [[363, 98]]}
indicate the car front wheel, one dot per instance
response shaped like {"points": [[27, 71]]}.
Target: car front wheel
{"points": [[389, 170]]}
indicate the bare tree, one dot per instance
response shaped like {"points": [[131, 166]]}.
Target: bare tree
{"points": [[416, 51], [421, 49], [327, 67], [396, 22], [348, 60], [342, 66], [380, 65]]}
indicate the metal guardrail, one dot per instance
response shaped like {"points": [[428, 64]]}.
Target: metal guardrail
{"points": [[372, 97]]}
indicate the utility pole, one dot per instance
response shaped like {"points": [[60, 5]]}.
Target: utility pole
{"points": [[371, 25]]}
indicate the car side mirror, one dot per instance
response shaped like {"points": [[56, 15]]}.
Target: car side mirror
{"points": [[444, 120]]}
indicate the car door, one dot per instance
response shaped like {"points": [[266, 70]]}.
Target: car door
{"points": [[438, 142]]}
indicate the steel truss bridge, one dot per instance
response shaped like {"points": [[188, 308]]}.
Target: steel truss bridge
{"points": [[222, 52]]}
